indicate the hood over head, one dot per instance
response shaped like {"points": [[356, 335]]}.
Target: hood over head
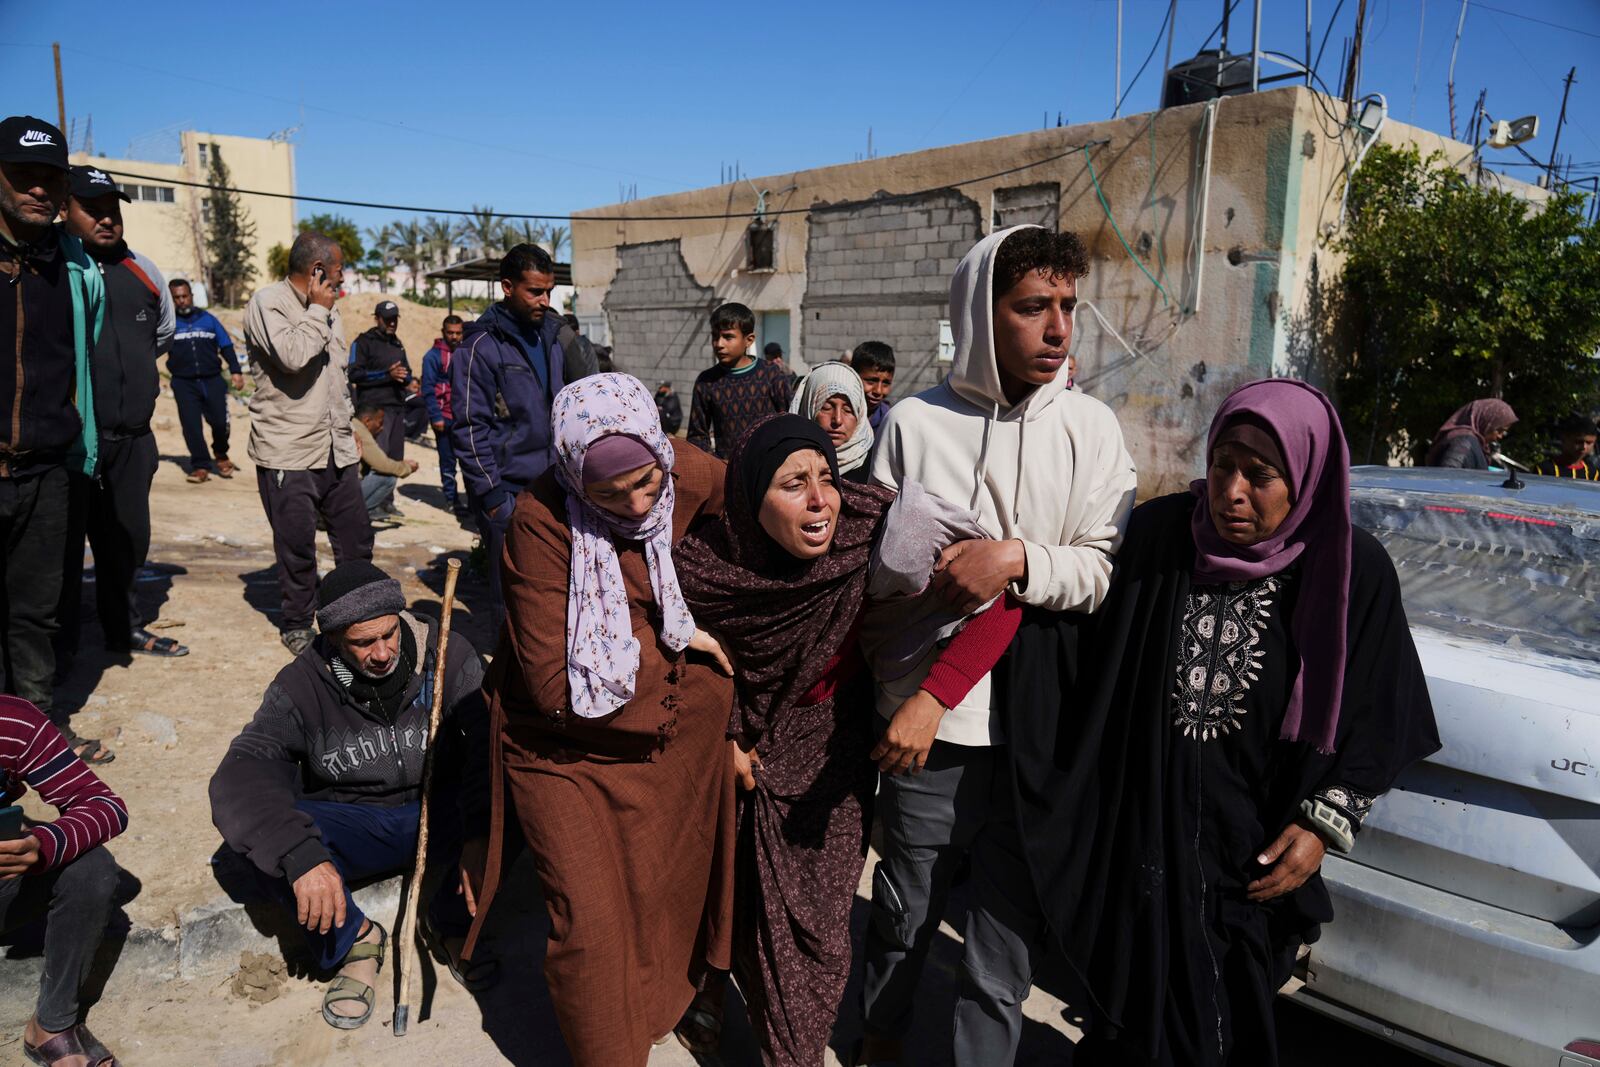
{"points": [[974, 375]]}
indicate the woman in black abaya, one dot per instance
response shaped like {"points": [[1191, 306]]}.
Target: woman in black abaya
{"points": [[1262, 691]]}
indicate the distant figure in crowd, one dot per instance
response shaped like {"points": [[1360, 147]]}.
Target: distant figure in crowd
{"points": [[113, 509], [1257, 692], [57, 870], [669, 408], [773, 352], [832, 397], [602, 359], [874, 362], [1574, 459], [611, 742], [322, 787], [1072, 371], [740, 390], [511, 364], [1468, 437], [379, 473], [200, 348], [1052, 483], [441, 411], [596, 356], [381, 375], [300, 436], [783, 580], [52, 314]]}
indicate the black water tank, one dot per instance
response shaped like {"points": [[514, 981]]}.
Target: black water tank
{"points": [[1205, 77]]}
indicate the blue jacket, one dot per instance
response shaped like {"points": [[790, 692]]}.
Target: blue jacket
{"points": [[436, 383], [502, 382], [200, 346]]}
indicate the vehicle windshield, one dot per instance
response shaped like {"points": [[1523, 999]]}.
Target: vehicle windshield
{"points": [[1494, 571]]}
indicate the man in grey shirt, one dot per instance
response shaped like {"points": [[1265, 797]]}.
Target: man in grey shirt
{"points": [[300, 438]]}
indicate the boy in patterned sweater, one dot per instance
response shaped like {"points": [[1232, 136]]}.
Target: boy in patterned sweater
{"points": [[740, 390]]}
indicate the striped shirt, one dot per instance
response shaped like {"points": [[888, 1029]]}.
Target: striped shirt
{"points": [[33, 753]]}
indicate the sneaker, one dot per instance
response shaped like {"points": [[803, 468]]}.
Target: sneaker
{"points": [[297, 641]]}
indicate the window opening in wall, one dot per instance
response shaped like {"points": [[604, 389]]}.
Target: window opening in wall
{"points": [[760, 240], [205, 150], [773, 326], [155, 194], [947, 342]]}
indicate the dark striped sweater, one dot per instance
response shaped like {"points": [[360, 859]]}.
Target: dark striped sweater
{"points": [[33, 753]]}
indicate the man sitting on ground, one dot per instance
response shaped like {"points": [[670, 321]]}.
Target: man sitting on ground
{"points": [[323, 786], [379, 473], [58, 870]]}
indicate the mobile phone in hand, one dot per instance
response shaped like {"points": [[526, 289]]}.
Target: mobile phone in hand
{"points": [[11, 823]]}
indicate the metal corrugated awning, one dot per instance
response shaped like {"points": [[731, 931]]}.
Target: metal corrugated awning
{"points": [[481, 270]]}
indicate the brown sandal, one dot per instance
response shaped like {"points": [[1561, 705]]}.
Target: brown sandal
{"points": [[225, 468], [67, 1043], [198, 475]]}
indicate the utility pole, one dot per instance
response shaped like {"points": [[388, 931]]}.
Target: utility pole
{"points": [[1353, 74], [1116, 89], [1555, 141], [61, 96]]}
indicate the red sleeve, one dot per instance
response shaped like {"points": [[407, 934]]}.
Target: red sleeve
{"points": [[973, 652]]}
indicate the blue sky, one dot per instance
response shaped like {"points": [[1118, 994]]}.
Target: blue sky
{"points": [[555, 108]]}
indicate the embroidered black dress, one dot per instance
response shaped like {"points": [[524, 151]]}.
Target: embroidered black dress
{"points": [[1146, 802]]}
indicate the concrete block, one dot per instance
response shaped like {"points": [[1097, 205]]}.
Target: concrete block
{"points": [[927, 267]]}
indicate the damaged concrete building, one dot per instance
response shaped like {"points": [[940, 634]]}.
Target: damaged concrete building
{"points": [[1208, 229]]}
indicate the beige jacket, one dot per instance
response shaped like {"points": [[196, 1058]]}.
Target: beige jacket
{"points": [[300, 410], [373, 456], [1050, 471]]}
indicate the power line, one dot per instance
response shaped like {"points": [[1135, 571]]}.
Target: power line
{"points": [[1140, 73], [1083, 147], [1530, 18]]}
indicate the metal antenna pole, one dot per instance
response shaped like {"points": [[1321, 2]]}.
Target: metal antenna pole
{"points": [[1255, 50], [61, 97], [1555, 142], [1116, 90], [1308, 44]]}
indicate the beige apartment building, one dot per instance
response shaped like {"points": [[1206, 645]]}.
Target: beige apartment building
{"points": [[1208, 228], [166, 220]]}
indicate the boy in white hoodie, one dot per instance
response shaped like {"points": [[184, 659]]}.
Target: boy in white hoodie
{"points": [[1046, 470]]}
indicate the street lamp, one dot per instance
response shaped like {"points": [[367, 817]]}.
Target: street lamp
{"points": [[1504, 134]]}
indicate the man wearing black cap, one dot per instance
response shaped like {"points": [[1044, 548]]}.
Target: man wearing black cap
{"points": [[51, 312], [381, 376], [323, 786], [115, 506]]}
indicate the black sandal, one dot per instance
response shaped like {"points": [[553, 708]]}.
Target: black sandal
{"points": [[700, 1029], [58, 1048], [148, 644], [475, 975], [94, 753]]}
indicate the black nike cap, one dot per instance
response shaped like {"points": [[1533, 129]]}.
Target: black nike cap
{"points": [[25, 139]]}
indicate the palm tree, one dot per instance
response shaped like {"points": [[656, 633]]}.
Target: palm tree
{"points": [[521, 232], [411, 248], [441, 234], [380, 247], [483, 229], [558, 237]]}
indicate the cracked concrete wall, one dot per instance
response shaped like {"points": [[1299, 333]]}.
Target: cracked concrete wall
{"points": [[659, 316]]}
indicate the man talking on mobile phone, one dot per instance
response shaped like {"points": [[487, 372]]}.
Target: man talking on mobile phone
{"points": [[300, 438], [58, 870]]}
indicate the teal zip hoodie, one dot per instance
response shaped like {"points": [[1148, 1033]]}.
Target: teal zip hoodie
{"points": [[88, 316]]}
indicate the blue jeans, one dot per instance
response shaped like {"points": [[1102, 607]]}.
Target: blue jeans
{"points": [[447, 465], [367, 841], [202, 399], [376, 489]]}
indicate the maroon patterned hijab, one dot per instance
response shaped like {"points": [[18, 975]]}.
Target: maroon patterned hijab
{"points": [[780, 619]]}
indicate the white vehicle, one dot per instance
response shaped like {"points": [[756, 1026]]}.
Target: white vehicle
{"points": [[1467, 923]]}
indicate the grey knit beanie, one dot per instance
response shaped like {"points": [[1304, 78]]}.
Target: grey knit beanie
{"points": [[356, 591]]}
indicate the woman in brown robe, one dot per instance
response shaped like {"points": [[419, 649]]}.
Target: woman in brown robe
{"points": [[612, 742]]}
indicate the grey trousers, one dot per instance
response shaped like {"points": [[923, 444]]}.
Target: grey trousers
{"points": [[961, 802], [75, 901], [377, 490]]}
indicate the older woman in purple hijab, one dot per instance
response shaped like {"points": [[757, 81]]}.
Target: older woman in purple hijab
{"points": [[1263, 691]]}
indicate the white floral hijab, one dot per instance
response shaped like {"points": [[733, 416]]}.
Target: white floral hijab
{"points": [[602, 653], [824, 383]]}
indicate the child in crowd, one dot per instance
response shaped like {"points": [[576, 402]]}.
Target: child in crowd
{"points": [[740, 390], [874, 362], [1574, 459]]}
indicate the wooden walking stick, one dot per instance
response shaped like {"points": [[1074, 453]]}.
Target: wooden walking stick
{"points": [[407, 933]]}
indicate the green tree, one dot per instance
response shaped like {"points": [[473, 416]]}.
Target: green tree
{"points": [[482, 230], [411, 248], [278, 262], [1454, 290], [230, 235], [441, 236], [340, 229], [558, 237], [380, 255]]}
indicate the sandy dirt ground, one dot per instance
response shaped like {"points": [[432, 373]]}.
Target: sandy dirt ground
{"points": [[210, 581]]}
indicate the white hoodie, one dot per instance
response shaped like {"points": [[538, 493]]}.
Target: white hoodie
{"points": [[1050, 471]]}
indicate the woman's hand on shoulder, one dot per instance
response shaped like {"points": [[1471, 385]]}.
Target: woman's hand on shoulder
{"points": [[1293, 858], [904, 745], [705, 643]]}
